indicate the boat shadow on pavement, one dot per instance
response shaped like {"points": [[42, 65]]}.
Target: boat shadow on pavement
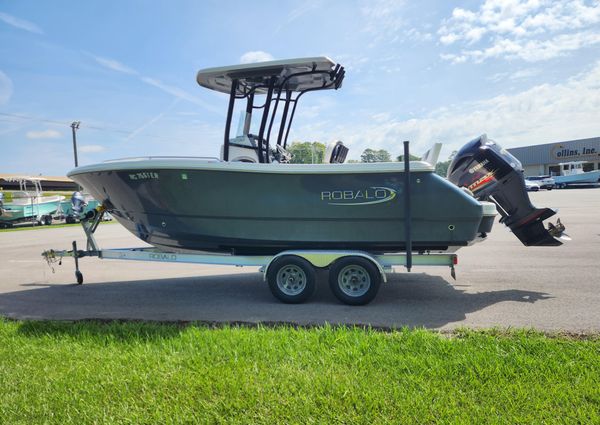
{"points": [[413, 300]]}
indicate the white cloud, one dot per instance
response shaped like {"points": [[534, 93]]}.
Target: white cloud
{"points": [[541, 114], [381, 117], [6, 88], [521, 74], [43, 134], [256, 56], [153, 120], [21, 24], [530, 50], [305, 7], [417, 35], [525, 73], [177, 92], [531, 30], [91, 148], [114, 65], [383, 19], [353, 63]]}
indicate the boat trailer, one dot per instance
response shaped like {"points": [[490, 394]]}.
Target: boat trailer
{"points": [[354, 276]]}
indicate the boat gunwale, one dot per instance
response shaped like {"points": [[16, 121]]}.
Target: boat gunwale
{"points": [[190, 164]]}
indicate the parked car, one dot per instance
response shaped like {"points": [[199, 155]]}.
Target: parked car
{"points": [[531, 186], [544, 182]]}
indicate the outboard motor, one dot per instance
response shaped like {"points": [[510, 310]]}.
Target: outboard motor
{"points": [[77, 203], [491, 173]]}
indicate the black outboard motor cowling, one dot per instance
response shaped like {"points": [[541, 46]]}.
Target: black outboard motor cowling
{"points": [[493, 174], [77, 203]]}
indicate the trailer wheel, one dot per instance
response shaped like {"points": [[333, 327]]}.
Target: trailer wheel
{"points": [[291, 279], [47, 220], [354, 280], [79, 277]]}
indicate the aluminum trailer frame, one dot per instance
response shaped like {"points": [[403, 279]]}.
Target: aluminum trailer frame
{"points": [[354, 276], [383, 263]]}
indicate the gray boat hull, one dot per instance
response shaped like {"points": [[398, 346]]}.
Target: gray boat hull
{"points": [[254, 210]]}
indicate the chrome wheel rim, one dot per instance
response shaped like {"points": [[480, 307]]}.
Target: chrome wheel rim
{"points": [[291, 280], [354, 280]]}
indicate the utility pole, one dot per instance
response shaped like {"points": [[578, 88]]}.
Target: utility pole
{"points": [[75, 127]]}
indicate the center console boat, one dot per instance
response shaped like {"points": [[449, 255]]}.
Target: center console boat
{"points": [[252, 201]]}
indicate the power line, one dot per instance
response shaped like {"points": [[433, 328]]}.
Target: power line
{"points": [[29, 118], [91, 127]]}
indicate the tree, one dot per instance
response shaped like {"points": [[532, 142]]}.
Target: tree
{"points": [[307, 152], [371, 155], [441, 168]]}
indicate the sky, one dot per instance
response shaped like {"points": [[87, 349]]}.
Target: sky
{"points": [[523, 72]]}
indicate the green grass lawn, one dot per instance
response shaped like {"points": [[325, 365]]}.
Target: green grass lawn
{"points": [[136, 373]]}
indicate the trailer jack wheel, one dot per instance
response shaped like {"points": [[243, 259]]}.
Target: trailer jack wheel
{"points": [[78, 274]]}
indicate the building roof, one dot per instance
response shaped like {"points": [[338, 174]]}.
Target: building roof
{"points": [[12, 177], [557, 152]]}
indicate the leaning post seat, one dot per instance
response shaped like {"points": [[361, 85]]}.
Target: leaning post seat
{"points": [[335, 153]]}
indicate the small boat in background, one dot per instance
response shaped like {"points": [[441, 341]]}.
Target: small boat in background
{"points": [[572, 173], [29, 203]]}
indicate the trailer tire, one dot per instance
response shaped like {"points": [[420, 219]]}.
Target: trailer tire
{"points": [[354, 280], [291, 279], [47, 220]]}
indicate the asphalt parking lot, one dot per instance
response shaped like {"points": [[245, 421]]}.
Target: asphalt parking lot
{"points": [[499, 283]]}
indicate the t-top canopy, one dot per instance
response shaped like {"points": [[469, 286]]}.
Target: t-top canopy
{"points": [[313, 73]]}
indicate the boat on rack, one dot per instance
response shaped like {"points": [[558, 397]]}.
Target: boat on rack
{"points": [[28, 204], [252, 201]]}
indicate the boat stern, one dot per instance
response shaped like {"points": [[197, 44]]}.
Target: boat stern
{"points": [[492, 174]]}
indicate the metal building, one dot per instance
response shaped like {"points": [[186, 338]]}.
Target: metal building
{"points": [[8, 182], [547, 158]]}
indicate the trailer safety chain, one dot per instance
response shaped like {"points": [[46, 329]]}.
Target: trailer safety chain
{"points": [[52, 258]]}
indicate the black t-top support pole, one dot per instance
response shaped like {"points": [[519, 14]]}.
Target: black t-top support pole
{"points": [[234, 84], [263, 150], [407, 208]]}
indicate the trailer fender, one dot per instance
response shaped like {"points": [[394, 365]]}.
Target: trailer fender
{"points": [[323, 259]]}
